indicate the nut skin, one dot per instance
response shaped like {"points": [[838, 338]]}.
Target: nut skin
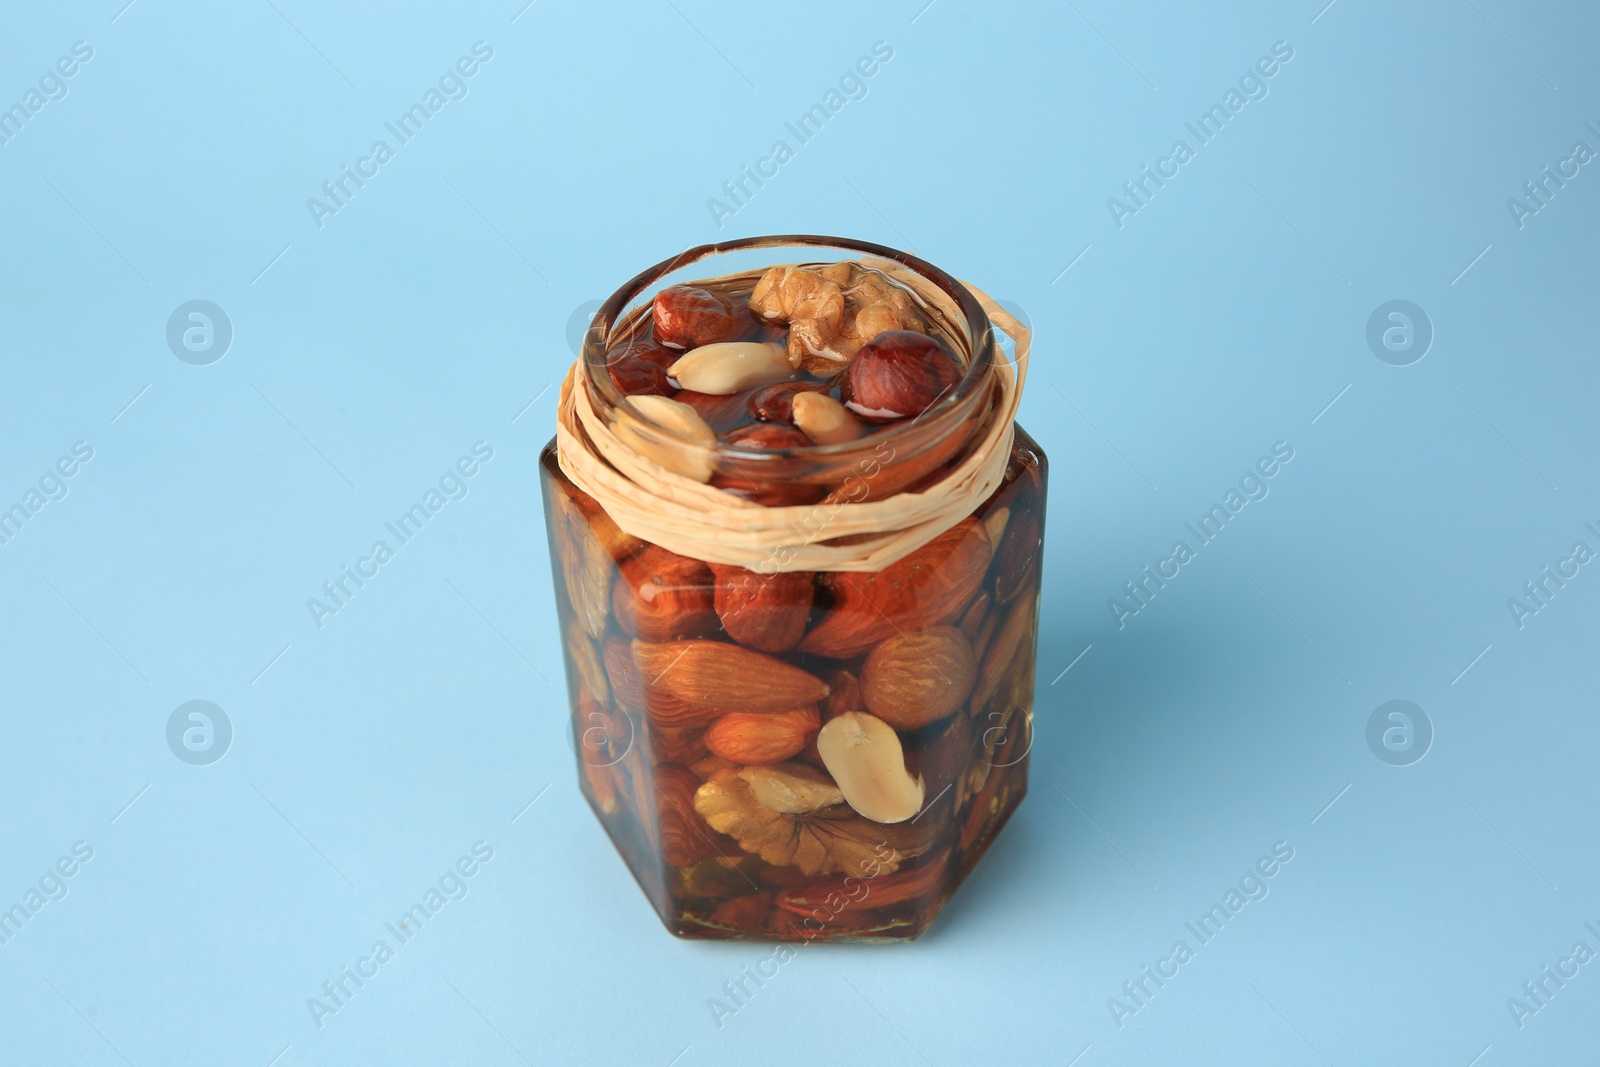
{"points": [[764, 612], [761, 488], [769, 436], [846, 894], [718, 412], [930, 587], [686, 316], [586, 511], [941, 759], [743, 913], [1010, 641], [918, 677], [846, 695], [898, 375], [762, 737], [972, 618], [664, 597], [627, 683], [1017, 556], [670, 712], [685, 838], [775, 403], [639, 368], [715, 674]]}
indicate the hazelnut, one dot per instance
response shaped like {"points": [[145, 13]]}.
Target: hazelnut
{"points": [[898, 375], [771, 436], [767, 489], [664, 597], [687, 316], [639, 368], [765, 612]]}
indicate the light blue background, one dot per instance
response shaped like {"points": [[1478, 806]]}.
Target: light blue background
{"points": [[432, 312]]}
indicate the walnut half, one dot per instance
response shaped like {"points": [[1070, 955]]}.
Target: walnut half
{"points": [[832, 311], [828, 839]]}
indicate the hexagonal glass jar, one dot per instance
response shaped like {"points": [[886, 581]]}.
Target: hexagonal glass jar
{"points": [[712, 840]]}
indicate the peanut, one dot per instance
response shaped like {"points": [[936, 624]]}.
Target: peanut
{"points": [[863, 754]]}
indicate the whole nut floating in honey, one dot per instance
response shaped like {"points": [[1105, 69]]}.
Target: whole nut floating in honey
{"points": [[730, 367], [916, 677], [687, 316], [899, 375], [824, 420], [687, 460], [863, 754], [749, 737]]}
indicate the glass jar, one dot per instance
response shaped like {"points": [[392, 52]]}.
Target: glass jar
{"points": [[702, 694]]}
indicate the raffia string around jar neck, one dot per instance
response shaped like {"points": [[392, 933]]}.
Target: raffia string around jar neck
{"points": [[682, 515]]}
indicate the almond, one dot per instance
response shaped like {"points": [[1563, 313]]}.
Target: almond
{"points": [[766, 437], [918, 677], [765, 612], [845, 893], [901, 468], [730, 367], [1010, 651], [995, 523], [584, 658], [982, 819], [584, 568], [943, 761], [846, 695], [972, 618], [1017, 558], [930, 587], [719, 412], [677, 744], [624, 676], [685, 838], [664, 597], [719, 675], [600, 777], [749, 737], [899, 375], [664, 710], [616, 544]]}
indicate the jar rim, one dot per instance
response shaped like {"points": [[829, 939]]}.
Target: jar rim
{"points": [[980, 343]]}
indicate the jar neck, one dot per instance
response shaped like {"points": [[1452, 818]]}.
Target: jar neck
{"points": [[907, 455]]}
